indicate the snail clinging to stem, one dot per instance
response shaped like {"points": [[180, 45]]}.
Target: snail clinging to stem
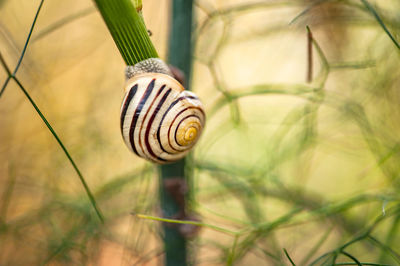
{"points": [[160, 120]]}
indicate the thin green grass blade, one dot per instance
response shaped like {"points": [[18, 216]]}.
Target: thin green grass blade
{"points": [[3, 63], [380, 21], [23, 50], [351, 257], [82, 179], [306, 10], [289, 258]]}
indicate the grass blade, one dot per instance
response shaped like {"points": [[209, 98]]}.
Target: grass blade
{"points": [[380, 21], [23, 50], [81, 178], [289, 258], [351, 257]]}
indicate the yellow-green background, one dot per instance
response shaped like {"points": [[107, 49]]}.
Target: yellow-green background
{"points": [[329, 148]]}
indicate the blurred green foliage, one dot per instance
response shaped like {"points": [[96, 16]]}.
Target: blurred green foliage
{"points": [[307, 172]]}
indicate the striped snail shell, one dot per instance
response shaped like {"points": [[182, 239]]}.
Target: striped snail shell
{"points": [[160, 120]]}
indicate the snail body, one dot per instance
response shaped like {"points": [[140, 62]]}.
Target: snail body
{"points": [[160, 120]]}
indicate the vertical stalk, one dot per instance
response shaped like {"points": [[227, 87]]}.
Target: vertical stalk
{"points": [[175, 244], [130, 35], [180, 56]]}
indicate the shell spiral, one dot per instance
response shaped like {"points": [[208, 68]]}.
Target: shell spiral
{"points": [[160, 121]]}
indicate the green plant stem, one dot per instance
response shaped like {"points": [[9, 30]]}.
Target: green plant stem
{"points": [[180, 56], [130, 35], [127, 29], [174, 242]]}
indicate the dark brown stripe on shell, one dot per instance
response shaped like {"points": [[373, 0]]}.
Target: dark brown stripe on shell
{"points": [[128, 99], [165, 114], [146, 136], [148, 110], [169, 129], [137, 114]]}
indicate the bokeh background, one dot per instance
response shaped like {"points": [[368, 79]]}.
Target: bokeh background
{"points": [[303, 166]]}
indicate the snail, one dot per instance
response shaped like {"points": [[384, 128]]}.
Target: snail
{"points": [[160, 120]]}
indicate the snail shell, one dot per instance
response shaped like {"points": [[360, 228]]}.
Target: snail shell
{"points": [[160, 120]]}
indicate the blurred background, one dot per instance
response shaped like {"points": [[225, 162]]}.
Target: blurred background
{"points": [[309, 167]]}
